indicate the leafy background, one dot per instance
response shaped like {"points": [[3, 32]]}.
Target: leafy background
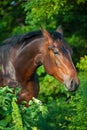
{"points": [[55, 109]]}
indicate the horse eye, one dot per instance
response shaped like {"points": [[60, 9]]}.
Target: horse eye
{"points": [[55, 52]]}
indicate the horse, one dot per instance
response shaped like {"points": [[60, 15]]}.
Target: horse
{"points": [[21, 55]]}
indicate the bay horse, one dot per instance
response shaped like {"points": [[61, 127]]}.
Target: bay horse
{"points": [[20, 56]]}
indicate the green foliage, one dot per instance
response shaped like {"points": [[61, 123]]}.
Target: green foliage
{"points": [[34, 116], [13, 117], [82, 65], [81, 1], [77, 40], [64, 112], [78, 104], [11, 16], [78, 117], [53, 12], [20, 30], [5, 107], [39, 12], [78, 45], [16, 116]]}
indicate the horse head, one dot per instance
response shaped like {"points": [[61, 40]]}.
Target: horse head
{"points": [[57, 59]]}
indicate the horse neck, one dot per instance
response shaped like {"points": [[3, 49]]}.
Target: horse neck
{"points": [[27, 60]]}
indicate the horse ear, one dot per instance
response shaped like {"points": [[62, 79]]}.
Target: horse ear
{"points": [[47, 36], [59, 29]]}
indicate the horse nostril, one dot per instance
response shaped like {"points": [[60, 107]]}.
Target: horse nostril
{"points": [[71, 85], [74, 85]]}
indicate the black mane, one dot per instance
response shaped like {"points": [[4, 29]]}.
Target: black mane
{"points": [[28, 37]]}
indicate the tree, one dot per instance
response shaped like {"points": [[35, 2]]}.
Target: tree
{"points": [[50, 13], [11, 16]]}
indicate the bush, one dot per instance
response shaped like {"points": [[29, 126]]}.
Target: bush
{"points": [[78, 45], [59, 112], [82, 65], [14, 117]]}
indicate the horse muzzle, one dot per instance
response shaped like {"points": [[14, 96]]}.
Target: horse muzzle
{"points": [[72, 85]]}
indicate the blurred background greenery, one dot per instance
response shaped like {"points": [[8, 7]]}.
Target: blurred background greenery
{"points": [[60, 110]]}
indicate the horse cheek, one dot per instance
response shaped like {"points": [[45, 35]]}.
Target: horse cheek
{"points": [[48, 65]]}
